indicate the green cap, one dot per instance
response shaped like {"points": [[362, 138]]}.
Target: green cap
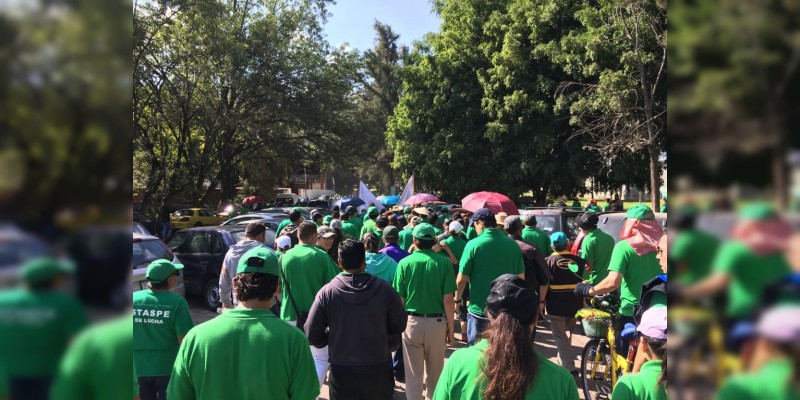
{"points": [[758, 212], [160, 270], [407, 210], [424, 232], [372, 211], [640, 212], [42, 269], [327, 219], [259, 259], [558, 239]]}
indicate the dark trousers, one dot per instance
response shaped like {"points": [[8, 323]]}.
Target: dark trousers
{"points": [[397, 364], [346, 383], [622, 345], [30, 388], [153, 387]]}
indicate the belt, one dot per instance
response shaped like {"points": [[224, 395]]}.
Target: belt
{"points": [[413, 314], [562, 287]]}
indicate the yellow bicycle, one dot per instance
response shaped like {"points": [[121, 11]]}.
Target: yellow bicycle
{"points": [[601, 365]]}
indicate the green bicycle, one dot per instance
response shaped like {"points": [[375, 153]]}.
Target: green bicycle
{"points": [[601, 365]]}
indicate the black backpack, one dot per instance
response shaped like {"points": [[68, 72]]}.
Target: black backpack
{"points": [[290, 231]]}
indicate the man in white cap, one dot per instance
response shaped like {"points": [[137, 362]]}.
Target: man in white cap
{"points": [[455, 243], [283, 244], [254, 236]]}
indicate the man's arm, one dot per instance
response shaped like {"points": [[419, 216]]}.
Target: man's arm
{"points": [[713, 284], [449, 312], [225, 286], [461, 283], [397, 318], [317, 322], [612, 281], [449, 253]]}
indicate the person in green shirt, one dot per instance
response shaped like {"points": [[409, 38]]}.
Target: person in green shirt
{"points": [[306, 269], [160, 321], [772, 373], [485, 258], [349, 229], [99, 364], [247, 352], [295, 218], [433, 221], [576, 203], [425, 282], [326, 220], [596, 247], [633, 262], [380, 224], [533, 236], [593, 207], [498, 366], [607, 207], [369, 222], [354, 219], [37, 322], [693, 250], [650, 382], [751, 261], [317, 218], [455, 243], [405, 239]]}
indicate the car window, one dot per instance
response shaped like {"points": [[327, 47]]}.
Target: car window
{"points": [[572, 227], [140, 229], [216, 245], [201, 242], [238, 236], [179, 242], [147, 251], [15, 252], [184, 213], [548, 223]]}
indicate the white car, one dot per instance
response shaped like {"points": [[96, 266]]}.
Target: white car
{"points": [[147, 249]]}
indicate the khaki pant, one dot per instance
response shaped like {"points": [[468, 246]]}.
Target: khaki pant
{"points": [[562, 327], [424, 344]]}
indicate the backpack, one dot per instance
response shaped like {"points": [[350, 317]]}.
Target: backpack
{"points": [[290, 231]]}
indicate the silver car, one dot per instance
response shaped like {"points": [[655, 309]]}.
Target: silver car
{"points": [[147, 249], [16, 247]]}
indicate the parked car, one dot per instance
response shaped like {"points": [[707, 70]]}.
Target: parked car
{"points": [[16, 247], [244, 219], [555, 219], [612, 222], [286, 199], [202, 251], [152, 225], [140, 229], [146, 249], [321, 204], [194, 217]]}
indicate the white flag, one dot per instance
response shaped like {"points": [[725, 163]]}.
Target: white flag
{"points": [[407, 192], [367, 196]]}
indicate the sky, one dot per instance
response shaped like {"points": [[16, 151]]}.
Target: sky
{"points": [[352, 21]]}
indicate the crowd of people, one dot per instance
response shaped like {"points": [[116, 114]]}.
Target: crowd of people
{"points": [[369, 299]]}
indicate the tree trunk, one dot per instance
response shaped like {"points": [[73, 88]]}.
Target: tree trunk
{"points": [[652, 152]]}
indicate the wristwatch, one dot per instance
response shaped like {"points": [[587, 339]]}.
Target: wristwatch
{"points": [[459, 301]]}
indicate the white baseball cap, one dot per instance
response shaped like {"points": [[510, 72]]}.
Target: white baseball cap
{"points": [[283, 242], [455, 226]]}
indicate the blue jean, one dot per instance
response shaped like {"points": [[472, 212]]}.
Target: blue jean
{"points": [[166, 230], [475, 326]]}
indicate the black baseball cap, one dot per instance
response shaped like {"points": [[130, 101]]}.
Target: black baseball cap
{"points": [[587, 220], [510, 294], [482, 214]]}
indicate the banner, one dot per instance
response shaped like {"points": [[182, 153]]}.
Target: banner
{"points": [[407, 192], [368, 197]]}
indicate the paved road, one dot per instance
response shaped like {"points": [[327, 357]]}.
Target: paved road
{"points": [[544, 342]]}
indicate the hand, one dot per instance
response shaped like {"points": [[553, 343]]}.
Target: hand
{"points": [[436, 248], [451, 337], [582, 289], [542, 310]]}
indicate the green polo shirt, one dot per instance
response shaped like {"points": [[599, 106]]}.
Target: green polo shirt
{"points": [[772, 381], [98, 364], [536, 237], [693, 252], [244, 354], [642, 385], [357, 221], [749, 274], [596, 248], [635, 270], [486, 257], [457, 244], [369, 226], [422, 279], [159, 318], [462, 378], [36, 329], [471, 233], [405, 240], [307, 269], [350, 230]]}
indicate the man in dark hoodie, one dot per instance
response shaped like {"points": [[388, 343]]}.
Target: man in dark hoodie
{"points": [[354, 315], [254, 236]]}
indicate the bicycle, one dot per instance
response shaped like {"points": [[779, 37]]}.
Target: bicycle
{"points": [[601, 365]]}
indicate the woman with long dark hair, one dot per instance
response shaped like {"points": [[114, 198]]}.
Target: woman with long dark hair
{"points": [[504, 365], [650, 383]]}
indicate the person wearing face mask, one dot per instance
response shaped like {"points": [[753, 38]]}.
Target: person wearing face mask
{"points": [[254, 237]]}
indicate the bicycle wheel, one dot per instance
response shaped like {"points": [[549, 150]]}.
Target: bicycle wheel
{"points": [[596, 371]]}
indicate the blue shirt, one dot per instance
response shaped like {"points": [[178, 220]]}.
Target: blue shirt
{"points": [[394, 251]]}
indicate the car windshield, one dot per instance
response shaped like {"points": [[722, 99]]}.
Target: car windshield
{"points": [[547, 223], [15, 252], [140, 229], [184, 213], [147, 251]]}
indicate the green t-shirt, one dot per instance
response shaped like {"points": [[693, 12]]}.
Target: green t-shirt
{"points": [[457, 244], [642, 385], [471, 233], [4, 382], [358, 222], [772, 381], [244, 354], [422, 279], [693, 252], [594, 209], [486, 257], [463, 379], [607, 207], [281, 226], [596, 248], [749, 274], [635, 270], [369, 226], [159, 318], [307, 268], [98, 364], [35, 330], [404, 239], [350, 230], [536, 237]]}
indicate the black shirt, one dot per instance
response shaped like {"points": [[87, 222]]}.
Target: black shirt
{"points": [[561, 300]]}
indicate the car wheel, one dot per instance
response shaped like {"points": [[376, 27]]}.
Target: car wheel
{"points": [[198, 224], [211, 294]]}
